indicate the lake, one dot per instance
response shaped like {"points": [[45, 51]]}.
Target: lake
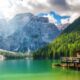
{"points": [[35, 70]]}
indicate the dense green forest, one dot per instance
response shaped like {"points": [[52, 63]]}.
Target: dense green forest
{"points": [[67, 43]]}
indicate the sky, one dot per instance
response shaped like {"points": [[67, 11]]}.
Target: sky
{"points": [[9, 8]]}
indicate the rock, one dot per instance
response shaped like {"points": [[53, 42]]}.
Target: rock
{"points": [[2, 57], [28, 32]]}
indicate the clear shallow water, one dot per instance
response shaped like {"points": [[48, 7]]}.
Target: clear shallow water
{"points": [[34, 70]]}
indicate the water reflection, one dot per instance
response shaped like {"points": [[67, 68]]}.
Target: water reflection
{"points": [[35, 67]]}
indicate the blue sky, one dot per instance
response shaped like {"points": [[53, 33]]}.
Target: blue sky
{"points": [[55, 16], [58, 17]]}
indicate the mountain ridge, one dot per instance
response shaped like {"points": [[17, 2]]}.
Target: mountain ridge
{"points": [[29, 32], [66, 44]]}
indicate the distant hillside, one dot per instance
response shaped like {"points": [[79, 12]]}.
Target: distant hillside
{"points": [[13, 55], [65, 45]]}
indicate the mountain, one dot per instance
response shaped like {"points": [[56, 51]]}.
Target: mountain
{"points": [[66, 44], [60, 21], [3, 25], [29, 33], [62, 27]]}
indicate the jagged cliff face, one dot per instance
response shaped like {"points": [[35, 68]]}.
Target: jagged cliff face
{"points": [[29, 32]]}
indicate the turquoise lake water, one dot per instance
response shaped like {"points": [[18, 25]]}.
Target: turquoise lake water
{"points": [[35, 70]]}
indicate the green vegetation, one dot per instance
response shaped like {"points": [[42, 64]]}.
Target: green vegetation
{"points": [[13, 55], [65, 45]]}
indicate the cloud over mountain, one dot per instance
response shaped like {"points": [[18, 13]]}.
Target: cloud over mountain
{"points": [[12, 7]]}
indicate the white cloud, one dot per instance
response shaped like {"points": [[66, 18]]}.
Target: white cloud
{"points": [[65, 21], [73, 2], [11, 7], [73, 17]]}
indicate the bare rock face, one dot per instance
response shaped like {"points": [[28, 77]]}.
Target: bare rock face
{"points": [[29, 32]]}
